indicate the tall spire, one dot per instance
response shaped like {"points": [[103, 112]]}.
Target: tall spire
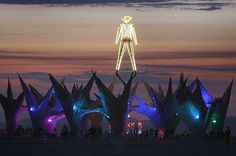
{"points": [[9, 90], [226, 97], [169, 91]]}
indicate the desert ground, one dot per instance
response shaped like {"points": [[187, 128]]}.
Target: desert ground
{"points": [[113, 146]]}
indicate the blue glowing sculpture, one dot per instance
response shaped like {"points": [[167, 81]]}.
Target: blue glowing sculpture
{"points": [[194, 107], [12, 108], [116, 107], [132, 96], [77, 107], [203, 95], [218, 117], [171, 106], [151, 112], [96, 118], [193, 104], [159, 111], [43, 113], [181, 95], [153, 94], [197, 108]]}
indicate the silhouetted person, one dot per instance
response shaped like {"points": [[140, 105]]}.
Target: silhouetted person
{"points": [[27, 131], [43, 135], [99, 131], [136, 129], [31, 131], [151, 132], [211, 134], [227, 135], [65, 132], [156, 133], [130, 133], [171, 132], [92, 132], [146, 134], [19, 130]]}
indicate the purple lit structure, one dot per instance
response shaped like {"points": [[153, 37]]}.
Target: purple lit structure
{"points": [[12, 108], [43, 112]]}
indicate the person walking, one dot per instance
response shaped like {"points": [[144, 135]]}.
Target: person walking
{"points": [[227, 135]]}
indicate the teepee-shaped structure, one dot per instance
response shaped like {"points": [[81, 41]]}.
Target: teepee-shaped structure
{"points": [[12, 108], [43, 113]]}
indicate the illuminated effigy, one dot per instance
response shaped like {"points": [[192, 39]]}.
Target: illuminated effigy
{"points": [[126, 38]]}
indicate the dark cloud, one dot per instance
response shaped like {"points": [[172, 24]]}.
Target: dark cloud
{"points": [[207, 5], [76, 2], [192, 5], [52, 58], [219, 68], [140, 56], [209, 8], [185, 55]]}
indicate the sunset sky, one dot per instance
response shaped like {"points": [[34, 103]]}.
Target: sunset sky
{"points": [[68, 40]]}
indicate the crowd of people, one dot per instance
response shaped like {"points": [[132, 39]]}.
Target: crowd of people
{"points": [[96, 132], [22, 131]]}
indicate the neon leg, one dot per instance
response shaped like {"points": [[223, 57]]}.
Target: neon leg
{"points": [[132, 55], [120, 55]]}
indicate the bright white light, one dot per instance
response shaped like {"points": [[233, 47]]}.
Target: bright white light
{"points": [[140, 131], [107, 116], [49, 120], [197, 117], [53, 91], [128, 116], [32, 109], [74, 108]]}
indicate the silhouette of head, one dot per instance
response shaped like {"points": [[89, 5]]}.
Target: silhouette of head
{"points": [[126, 19]]}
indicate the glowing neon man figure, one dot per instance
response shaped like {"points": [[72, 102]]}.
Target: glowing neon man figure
{"points": [[126, 37]]}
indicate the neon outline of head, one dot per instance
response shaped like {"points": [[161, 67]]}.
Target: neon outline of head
{"points": [[126, 19]]}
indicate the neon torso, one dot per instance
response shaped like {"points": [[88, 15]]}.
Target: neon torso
{"points": [[126, 32]]}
